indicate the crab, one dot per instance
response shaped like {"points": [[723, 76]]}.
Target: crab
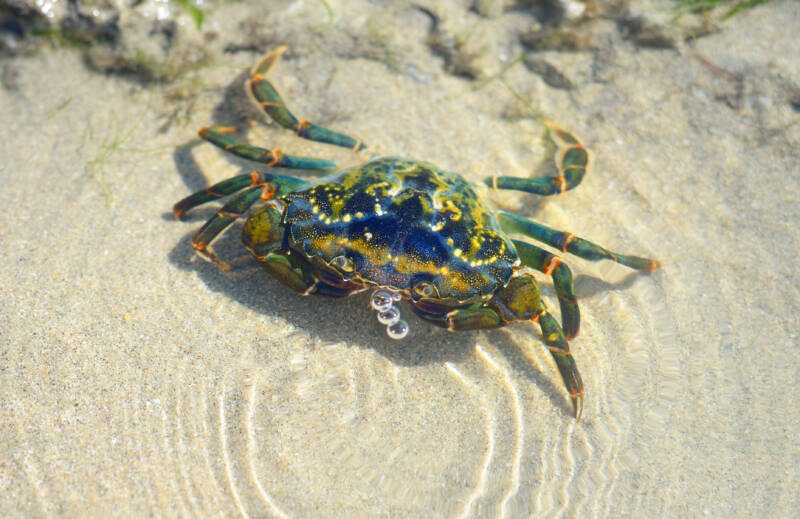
{"points": [[404, 227]]}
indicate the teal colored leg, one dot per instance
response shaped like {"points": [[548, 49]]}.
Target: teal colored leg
{"points": [[256, 186], [568, 242], [267, 96], [572, 161], [220, 221], [278, 184], [559, 349], [478, 317], [520, 300], [550, 264], [218, 136]]}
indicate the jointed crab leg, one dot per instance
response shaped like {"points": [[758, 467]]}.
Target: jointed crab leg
{"points": [[550, 264], [559, 349], [232, 185], [267, 96], [489, 317], [572, 161], [492, 316], [218, 136], [258, 185], [568, 242], [220, 221], [520, 300]]}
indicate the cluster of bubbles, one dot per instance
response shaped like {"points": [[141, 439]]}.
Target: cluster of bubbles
{"points": [[382, 301]]}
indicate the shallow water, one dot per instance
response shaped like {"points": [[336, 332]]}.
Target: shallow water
{"points": [[138, 380]]}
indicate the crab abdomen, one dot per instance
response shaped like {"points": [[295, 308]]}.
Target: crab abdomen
{"points": [[395, 222]]}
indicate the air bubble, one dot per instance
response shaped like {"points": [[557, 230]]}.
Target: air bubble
{"points": [[381, 300], [398, 330], [390, 316]]}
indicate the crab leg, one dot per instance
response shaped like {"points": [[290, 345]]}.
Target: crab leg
{"points": [[257, 186], [550, 264], [231, 185], [220, 221], [568, 242], [572, 161], [520, 300], [266, 95], [218, 136], [487, 317], [559, 349], [478, 317]]}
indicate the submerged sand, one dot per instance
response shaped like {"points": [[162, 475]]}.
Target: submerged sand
{"points": [[138, 380]]}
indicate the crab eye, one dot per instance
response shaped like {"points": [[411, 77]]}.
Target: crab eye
{"points": [[344, 263], [425, 289]]}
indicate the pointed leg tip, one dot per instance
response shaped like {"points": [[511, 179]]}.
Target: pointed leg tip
{"points": [[269, 60], [550, 124], [213, 258], [577, 406], [205, 252]]}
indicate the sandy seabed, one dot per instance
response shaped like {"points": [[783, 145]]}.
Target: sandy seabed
{"points": [[137, 380]]}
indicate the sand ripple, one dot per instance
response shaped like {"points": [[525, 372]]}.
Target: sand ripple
{"points": [[332, 430]]}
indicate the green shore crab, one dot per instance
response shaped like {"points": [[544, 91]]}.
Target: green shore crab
{"points": [[405, 228]]}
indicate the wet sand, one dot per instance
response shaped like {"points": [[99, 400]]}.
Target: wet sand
{"points": [[138, 380]]}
